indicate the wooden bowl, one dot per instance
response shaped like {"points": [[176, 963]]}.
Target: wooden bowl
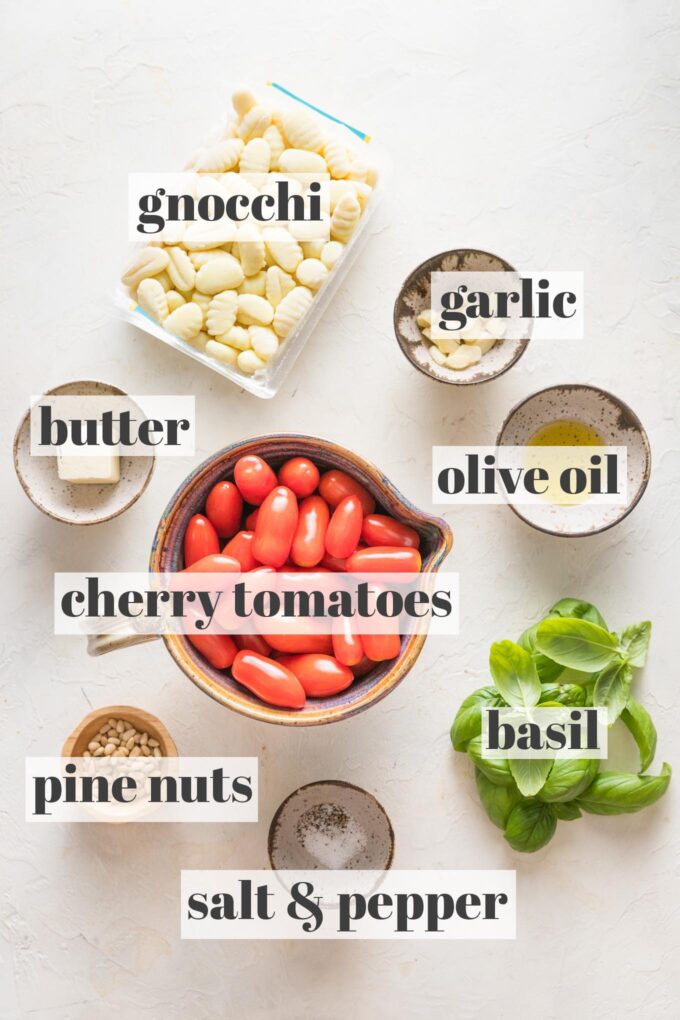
{"points": [[414, 297], [143, 721], [167, 555]]}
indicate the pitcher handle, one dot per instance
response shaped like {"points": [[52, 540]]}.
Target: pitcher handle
{"points": [[124, 636]]}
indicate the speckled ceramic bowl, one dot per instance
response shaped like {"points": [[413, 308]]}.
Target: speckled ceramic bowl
{"points": [[414, 297], [331, 825], [78, 504], [613, 420], [167, 555]]}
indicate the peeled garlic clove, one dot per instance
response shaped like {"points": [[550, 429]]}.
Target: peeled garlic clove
{"points": [[437, 356], [447, 345], [424, 318], [464, 357], [484, 343]]}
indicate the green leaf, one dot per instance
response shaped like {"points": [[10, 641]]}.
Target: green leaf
{"points": [[495, 769], [620, 793], [579, 610], [638, 720], [568, 811], [547, 670], [497, 801], [635, 642], [612, 689], [530, 773], [468, 721], [569, 777], [514, 674], [563, 694], [578, 644], [530, 826]]}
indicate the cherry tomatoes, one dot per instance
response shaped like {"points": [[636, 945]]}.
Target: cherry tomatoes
{"points": [[275, 528], [333, 563], [381, 646], [254, 478], [268, 680], [384, 559], [336, 485], [298, 644], [223, 508], [347, 646], [252, 643], [320, 675], [241, 548], [200, 539], [344, 529], [378, 529], [218, 649], [363, 667], [251, 519], [214, 564], [310, 535], [300, 475]]}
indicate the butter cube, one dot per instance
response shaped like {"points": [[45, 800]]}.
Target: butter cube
{"points": [[97, 469]]}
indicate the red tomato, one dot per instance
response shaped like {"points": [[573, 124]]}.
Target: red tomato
{"points": [[251, 519], [241, 548], [309, 540], [223, 508], [384, 559], [214, 564], [254, 478], [268, 680], [336, 485], [275, 528], [381, 646], [344, 529], [377, 529], [298, 644], [333, 563], [320, 675], [252, 643], [218, 649], [347, 646], [200, 539], [300, 475], [363, 667]]}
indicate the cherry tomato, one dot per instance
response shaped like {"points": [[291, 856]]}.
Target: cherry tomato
{"points": [[320, 675], [251, 519], [363, 667], [381, 646], [268, 680], [300, 475], [218, 649], [275, 528], [384, 559], [336, 485], [333, 563], [216, 563], [241, 548], [254, 478], [223, 508], [347, 646], [252, 643], [309, 540], [200, 539], [344, 529], [298, 644], [377, 529]]}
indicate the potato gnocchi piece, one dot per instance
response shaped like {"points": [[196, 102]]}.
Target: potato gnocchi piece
{"points": [[148, 262], [222, 352], [185, 322], [279, 283], [283, 248], [174, 300], [250, 249], [200, 341], [312, 249], [201, 258], [299, 161], [180, 269], [222, 273], [256, 157], [254, 284], [237, 337], [219, 158], [345, 218], [253, 310], [302, 131], [249, 362], [153, 299], [311, 273], [274, 140], [337, 159], [291, 309], [242, 100], [203, 302], [263, 341], [331, 252], [221, 314], [338, 189], [254, 123]]}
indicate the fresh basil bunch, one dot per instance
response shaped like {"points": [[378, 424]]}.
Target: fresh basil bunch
{"points": [[526, 797]]}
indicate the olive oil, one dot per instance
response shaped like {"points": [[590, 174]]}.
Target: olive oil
{"points": [[566, 432]]}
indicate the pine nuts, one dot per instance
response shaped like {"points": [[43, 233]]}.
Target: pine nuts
{"points": [[118, 738]]}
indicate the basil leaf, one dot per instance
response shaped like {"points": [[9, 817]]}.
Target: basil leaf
{"points": [[577, 643], [530, 773], [638, 720], [514, 674], [579, 610], [530, 826], [612, 689], [568, 811], [568, 778], [620, 793], [497, 801], [547, 669], [635, 642], [468, 721], [563, 694], [495, 769]]}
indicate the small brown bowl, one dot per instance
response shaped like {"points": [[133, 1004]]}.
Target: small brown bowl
{"points": [[414, 297], [89, 727]]}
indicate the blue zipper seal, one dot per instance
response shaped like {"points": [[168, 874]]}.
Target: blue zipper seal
{"points": [[329, 116]]}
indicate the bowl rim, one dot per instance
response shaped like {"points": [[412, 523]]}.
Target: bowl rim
{"points": [[119, 711], [259, 711], [329, 782], [405, 348], [42, 506], [639, 427]]}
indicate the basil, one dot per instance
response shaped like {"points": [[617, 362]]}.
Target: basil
{"points": [[497, 801], [495, 769], [547, 670], [578, 644], [563, 694], [468, 721], [514, 674], [530, 826], [568, 811], [578, 609], [568, 778], [612, 689], [638, 720], [621, 793], [634, 642], [530, 773]]}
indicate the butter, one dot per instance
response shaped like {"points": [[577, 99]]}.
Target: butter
{"points": [[92, 469]]}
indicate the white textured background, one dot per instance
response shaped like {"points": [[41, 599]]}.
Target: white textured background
{"points": [[544, 132]]}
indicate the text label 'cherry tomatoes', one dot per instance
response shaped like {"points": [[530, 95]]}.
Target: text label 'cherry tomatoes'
{"points": [[300, 475], [275, 528], [200, 539], [320, 675], [335, 485], [223, 508], [254, 478], [268, 680], [344, 529], [309, 541], [377, 529]]}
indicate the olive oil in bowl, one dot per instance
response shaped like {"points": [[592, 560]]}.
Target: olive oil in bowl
{"points": [[564, 432]]}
